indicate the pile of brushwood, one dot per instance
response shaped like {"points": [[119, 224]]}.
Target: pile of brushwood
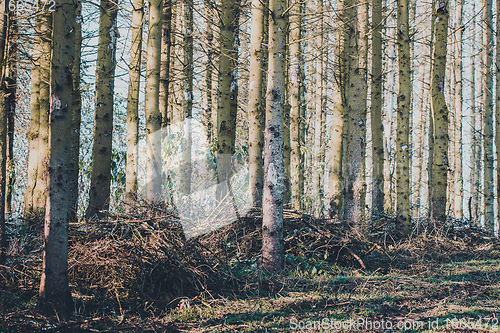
{"points": [[142, 263]]}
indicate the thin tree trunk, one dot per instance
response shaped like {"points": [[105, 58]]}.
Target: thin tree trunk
{"points": [[34, 126], [489, 217], [133, 101], [403, 211], [3, 133], [272, 205], [39, 197], [475, 155], [55, 295], [336, 180], [440, 114], [228, 93], [296, 68], [497, 106], [376, 112], [458, 179], [100, 179], [207, 99], [165, 75], [77, 117], [256, 107], [152, 107], [187, 102], [11, 82]]}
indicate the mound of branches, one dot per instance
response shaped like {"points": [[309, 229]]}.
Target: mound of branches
{"points": [[147, 259]]}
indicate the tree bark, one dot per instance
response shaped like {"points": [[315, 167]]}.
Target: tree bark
{"points": [[228, 93], [377, 127], [187, 101], [76, 122], [34, 126], [256, 103], [11, 82], [354, 96], [403, 152], [272, 205], [152, 107], [39, 197], [440, 163], [296, 103], [488, 30], [55, 295], [103, 122], [3, 132], [133, 101]]}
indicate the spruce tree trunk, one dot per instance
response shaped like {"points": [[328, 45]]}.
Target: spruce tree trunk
{"points": [[134, 74], [11, 82], [296, 139], [55, 295], [377, 127], [152, 107], [3, 133], [39, 196], [354, 96], [100, 180], [76, 122], [488, 30], [403, 152], [440, 163], [336, 180], [166, 40], [272, 204], [228, 93], [256, 105], [187, 101], [207, 99], [475, 150], [458, 177], [34, 126], [497, 105]]}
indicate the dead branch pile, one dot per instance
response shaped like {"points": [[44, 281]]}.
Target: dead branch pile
{"points": [[145, 259]]}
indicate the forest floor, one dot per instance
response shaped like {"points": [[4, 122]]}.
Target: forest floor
{"points": [[137, 274]]}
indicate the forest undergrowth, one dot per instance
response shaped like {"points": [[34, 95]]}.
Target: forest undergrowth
{"points": [[137, 272]]}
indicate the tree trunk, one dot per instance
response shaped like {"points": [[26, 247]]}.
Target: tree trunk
{"points": [[354, 99], [133, 101], [55, 295], [256, 105], [77, 117], [11, 82], [403, 152], [475, 153], [228, 93], [376, 112], [187, 102], [166, 41], [458, 177], [152, 107], [296, 139], [34, 126], [207, 99], [3, 132], [489, 217], [440, 116], [272, 205], [497, 106], [103, 122], [39, 197]]}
